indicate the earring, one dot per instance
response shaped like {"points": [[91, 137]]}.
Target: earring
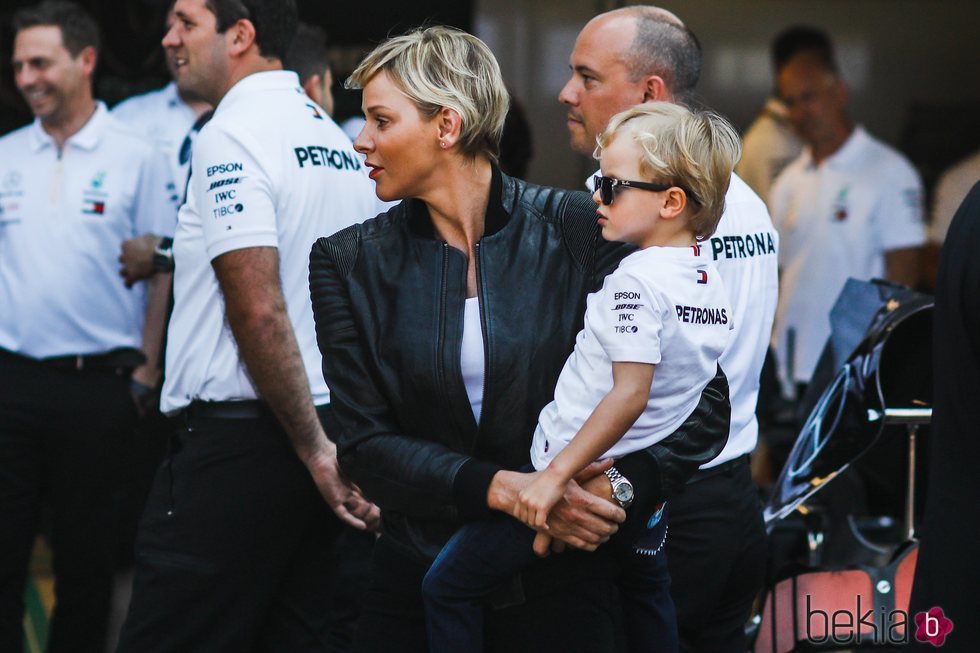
{"points": [[442, 144]]}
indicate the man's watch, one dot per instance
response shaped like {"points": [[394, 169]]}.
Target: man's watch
{"points": [[163, 255], [622, 489]]}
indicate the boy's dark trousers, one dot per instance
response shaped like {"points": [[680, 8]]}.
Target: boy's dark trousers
{"points": [[484, 556]]}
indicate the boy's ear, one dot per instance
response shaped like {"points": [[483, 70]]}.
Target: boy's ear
{"points": [[675, 201]]}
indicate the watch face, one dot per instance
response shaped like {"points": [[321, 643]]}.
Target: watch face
{"points": [[624, 492]]}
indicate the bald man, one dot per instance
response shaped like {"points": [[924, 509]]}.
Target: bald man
{"points": [[716, 547]]}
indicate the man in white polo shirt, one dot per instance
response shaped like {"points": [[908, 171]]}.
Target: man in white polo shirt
{"points": [[770, 144], [73, 185], [716, 548], [849, 206], [233, 547], [170, 117], [166, 116]]}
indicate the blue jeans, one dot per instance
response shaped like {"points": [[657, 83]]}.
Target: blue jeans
{"points": [[484, 556]]}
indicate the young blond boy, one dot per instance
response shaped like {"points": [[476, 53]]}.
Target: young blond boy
{"points": [[663, 312]]}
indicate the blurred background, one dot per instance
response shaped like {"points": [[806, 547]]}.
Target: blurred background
{"points": [[913, 65]]}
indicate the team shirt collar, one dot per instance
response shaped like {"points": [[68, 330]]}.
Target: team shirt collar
{"points": [[694, 254], [848, 152], [86, 138], [245, 88], [171, 95]]}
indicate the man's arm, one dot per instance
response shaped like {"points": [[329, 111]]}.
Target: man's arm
{"points": [[136, 258], [903, 265], [154, 323], [256, 310]]}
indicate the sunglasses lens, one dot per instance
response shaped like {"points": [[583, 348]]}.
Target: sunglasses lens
{"points": [[606, 190]]}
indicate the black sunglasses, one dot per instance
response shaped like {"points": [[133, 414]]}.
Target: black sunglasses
{"points": [[607, 187]]}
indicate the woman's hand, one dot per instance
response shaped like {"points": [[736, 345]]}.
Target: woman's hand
{"points": [[580, 519], [536, 500]]}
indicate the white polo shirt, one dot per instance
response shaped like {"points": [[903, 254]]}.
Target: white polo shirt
{"points": [[744, 248], [166, 120], [836, 220], [63, 217], [666, 306], [270, 169]]}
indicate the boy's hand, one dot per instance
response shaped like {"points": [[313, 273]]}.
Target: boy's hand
{"points": [[544, 543], [537, 499]]}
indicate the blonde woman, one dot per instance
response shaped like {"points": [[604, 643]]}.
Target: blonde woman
{"points": [[444, 324]]}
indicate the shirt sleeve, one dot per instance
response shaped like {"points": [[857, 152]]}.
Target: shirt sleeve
{"points": [[627, 319], [899, 215], [156, 197], [233, 193]]}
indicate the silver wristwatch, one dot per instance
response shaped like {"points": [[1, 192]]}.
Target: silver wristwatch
{"points": [[622, 489]]}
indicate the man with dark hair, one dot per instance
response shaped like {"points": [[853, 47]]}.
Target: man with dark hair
{"points": [[274, 22], [848, 206], [234, 551], [170, 117], [167, 116], [79, 31], [73, 338], [716, 547], [769, 144], [307, 57]]}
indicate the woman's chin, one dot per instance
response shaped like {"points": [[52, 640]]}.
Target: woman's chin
{"points": [[388, 195]]}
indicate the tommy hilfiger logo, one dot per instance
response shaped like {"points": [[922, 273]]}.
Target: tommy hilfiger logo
{"points": [[702, 276], [93, 207]]}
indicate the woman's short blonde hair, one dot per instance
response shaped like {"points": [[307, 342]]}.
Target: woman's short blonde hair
{"points": [[696, 150], [445, 67]]}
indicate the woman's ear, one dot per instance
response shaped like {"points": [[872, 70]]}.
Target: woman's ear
{"points": [[449, 124], [675, 201]]}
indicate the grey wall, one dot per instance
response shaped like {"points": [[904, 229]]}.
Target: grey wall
{"points": [[893, 52]]}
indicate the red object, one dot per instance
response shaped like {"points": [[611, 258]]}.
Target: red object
{"points": [[814, 607]]}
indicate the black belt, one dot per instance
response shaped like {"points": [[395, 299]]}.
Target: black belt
{"points": [[123, 360], [732, 464], [248, 409]]}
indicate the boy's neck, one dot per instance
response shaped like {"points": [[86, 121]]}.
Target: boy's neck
{"points": [[669, 236]]}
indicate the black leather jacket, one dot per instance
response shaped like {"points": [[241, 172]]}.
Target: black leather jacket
{"points": [[388, 299]]}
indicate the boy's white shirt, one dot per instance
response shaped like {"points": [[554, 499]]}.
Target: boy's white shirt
{"points": [[665, 306]]}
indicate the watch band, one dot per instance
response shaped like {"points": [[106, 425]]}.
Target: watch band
{"points": [[614, 476], [163, 256]]}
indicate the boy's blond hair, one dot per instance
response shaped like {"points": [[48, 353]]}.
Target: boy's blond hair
{"points": [[695, 150], [440, 67]]}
